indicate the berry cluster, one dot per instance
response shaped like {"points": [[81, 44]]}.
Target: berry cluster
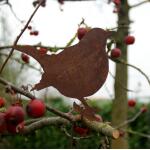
{"points": [[32, 31], [12, 120], [116, 52]]}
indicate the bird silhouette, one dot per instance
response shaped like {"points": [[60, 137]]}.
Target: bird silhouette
{"points": [[78, 71]]}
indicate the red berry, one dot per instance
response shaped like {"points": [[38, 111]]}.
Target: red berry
{"points": [[81, 32], [2, 122], [36, 108], [31, 33], [131, 103], [29, 27], [121, 133], [115, 53], [43, 50], [143, 109], [43, 3], [80, 130], [129, 39], [11, 128], [2, 102], [25, 58], [14, 115], [117, 2], [35, 33]]}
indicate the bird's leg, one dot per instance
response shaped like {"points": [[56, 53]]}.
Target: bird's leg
{"points": [[88, 112], [83, 101]]}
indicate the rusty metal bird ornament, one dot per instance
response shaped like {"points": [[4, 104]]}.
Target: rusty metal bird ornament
{"points": [[78, 71]]}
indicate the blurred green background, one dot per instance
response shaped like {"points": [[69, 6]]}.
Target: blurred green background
{"points": [[53, 137]]}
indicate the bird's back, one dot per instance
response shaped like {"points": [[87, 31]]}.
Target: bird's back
{"points": [[82, 70]]}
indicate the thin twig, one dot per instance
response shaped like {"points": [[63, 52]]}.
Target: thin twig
{"points": [[11, 8], [121, 83], [19, 36], [50, 48], [129, 120], [74, 138], [20, 62], [125, 63], [138, 133], [140, 3]]}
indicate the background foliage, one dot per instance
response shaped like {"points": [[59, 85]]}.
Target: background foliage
{"points": [[53, 137]]}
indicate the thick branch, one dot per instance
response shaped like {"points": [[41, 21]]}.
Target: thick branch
{"points": [[44, 122], [101, 127]]}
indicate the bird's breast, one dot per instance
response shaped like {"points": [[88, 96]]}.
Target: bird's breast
{"points": [[83, 78]]}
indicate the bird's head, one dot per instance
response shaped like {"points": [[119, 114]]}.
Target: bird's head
{"points": [[98, 35]]}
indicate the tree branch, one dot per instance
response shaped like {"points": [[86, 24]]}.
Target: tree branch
{"points": [[44, 122], [103, 128], [138, 69], [94, 125], [138, 133], [139, 4], [19, 36], [122, 86], [130, 120], [19, 61], [29, 95], [50, 48]]}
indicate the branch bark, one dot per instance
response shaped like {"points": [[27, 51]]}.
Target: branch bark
{"points": [[44, 122], [101, 127], [64, 118]]}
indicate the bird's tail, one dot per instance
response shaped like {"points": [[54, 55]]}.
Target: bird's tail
{"points": [[31, 51]]}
